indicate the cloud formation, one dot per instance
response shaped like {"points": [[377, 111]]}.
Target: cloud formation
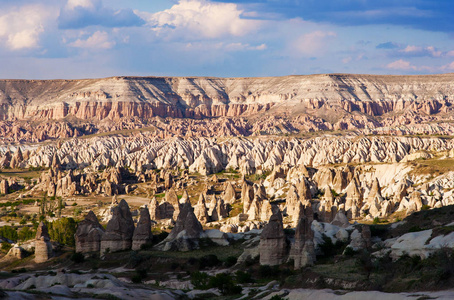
{"points": [[401, 65], [387, 45], [78, 14], [99, 40], [421, 51], [21, 27], [433, 15], [195, 19], [313, 43]]}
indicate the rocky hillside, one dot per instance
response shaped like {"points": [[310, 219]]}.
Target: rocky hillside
{"points": [[213, 97]]}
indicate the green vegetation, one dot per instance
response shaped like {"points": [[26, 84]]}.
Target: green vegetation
{"points": [[6, 246], [9, 232], [140, 275], [77, 257], [63, 231], [16, 203], [226, 283], [26, 233]]}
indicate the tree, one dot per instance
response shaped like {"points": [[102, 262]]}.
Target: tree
{"points": [[63, 231], [8, 232], [26, 234], [224, 282]]}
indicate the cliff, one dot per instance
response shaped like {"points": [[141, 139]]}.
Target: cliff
{"points": [[198, 97]]}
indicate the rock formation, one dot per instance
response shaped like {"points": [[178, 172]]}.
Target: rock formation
{"points": [[43, 247], [302, 251], [229, 194], [353, 201], [173, 209], [186, 233], [119, 230], [360, 238], [89, 234], [247, 195], [4, 186], [273, 244], [16, 252], [340, 220], [142, 233], [303, 190], [201, 211], [153, 209], [375, 192], [292, 203]]}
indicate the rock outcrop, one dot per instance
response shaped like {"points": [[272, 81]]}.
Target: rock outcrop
{"points": [[142, 233], [273, 243], [43, 247], [201, 211], [119, 230], [16, 252], [302, 251], [89, 234], [229, 194], [186, 233], [153, 209]]}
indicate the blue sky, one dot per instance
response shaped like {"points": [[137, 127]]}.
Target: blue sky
{"points": [[100, 38]]}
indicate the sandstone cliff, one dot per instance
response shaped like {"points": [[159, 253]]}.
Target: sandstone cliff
{"points": [[198, 97]]}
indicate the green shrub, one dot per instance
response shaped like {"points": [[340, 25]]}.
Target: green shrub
{"points": [[225, 283], [415, 228], [77, 257], [277, 297], [8, 232], [26, 234], [231, 261], [243, 277], [349, 251], [140, 275], [208, 261], [266, 271], [6, 246], [329, 249], [159, 237], [63, 231], [200, 280]]}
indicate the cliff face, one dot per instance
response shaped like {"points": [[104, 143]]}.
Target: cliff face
{"points": [[146, 97]]}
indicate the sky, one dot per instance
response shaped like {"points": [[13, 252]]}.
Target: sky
{"points": [[70, 39]]}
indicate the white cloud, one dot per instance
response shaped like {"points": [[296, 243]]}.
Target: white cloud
{"points": [[422, 51], [90, 4], [99, 40], [404, 65], [20, 28], [194, 19], [401, 65], [227, 47], [448, 67], [83, 13], [313, 43]]}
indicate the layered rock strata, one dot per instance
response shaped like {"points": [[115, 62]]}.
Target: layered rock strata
{"points": [[43, 247]]}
